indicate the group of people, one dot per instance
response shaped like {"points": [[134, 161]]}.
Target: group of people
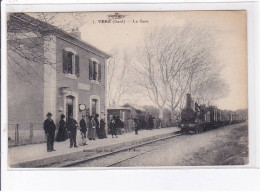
{"points": [[115, 124], [89, 126]]}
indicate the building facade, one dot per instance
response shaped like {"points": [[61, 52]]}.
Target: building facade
{"points": [[71, 77]]}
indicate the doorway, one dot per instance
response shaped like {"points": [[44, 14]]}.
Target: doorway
{"points": [[94, 106], [69, 106]]}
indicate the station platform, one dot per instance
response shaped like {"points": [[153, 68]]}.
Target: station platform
{"points": [[35, 155]]}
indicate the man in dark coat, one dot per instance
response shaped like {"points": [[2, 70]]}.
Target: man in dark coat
{"points": [[112, 127], [136, 124], [72, 126], [49, 128], [117, 123], [151, 124], [83, 129]]}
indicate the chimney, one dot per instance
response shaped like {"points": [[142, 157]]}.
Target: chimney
{"points": [[76, 33], [188, 101]]}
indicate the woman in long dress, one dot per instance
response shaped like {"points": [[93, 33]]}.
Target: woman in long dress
{"points": [[62, 132], [97, 126], [102, 128], [92, 133]]}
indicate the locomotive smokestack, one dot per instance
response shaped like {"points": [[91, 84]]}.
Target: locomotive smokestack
{"points": [[188, 101]]}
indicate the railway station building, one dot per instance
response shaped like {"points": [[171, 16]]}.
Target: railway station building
{"points": [[68, 77]]}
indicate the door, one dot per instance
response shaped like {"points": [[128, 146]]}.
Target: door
{"points": [[69, 106], [94, 106]]}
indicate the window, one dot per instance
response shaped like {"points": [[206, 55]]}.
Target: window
{"points": [[94, 104], [70, 63], [94, 71]]}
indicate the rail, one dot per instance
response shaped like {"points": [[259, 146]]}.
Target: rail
{"points": [[98, 156]]}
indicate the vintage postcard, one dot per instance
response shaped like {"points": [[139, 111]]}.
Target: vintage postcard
{"points": [[127, 89]]}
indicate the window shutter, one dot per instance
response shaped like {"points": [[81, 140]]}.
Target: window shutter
{"points": [[77, 65], [90, 69], [99, 72], [65, 61]]}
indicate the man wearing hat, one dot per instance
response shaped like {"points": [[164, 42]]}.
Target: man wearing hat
{"points": [[72, 126], [49, 128], [83, 129]]}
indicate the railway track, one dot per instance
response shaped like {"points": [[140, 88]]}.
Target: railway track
{"points": [[130, 152]]}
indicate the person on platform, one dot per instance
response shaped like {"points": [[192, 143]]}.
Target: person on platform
{"points": [[102, 128], [72, 126], [83, 129], [62, 132], [136, 124], [49, 128], [147, 121], [121, 125], [151, 124], [112, 127], [118, 124], [92, 133], [99, 135]]}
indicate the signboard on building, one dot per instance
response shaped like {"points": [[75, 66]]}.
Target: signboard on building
{"points": [[82, 86]]}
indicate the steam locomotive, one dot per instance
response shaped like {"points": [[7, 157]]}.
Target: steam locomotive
{"points": [[198, 118]]}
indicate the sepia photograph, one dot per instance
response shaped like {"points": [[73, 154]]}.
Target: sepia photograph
{"points": [[127, 89]]}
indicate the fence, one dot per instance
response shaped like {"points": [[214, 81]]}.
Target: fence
{"points": [[23, 134]]}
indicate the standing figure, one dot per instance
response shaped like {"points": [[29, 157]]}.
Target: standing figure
{"points": [[83, 129], [151, 124], [117, 124], [92, 133], [121, 124], [49, 128], [62, 132], [112, 126], [97, 126], [72, 126], [102, 129], [147, 121], [136, 124]]}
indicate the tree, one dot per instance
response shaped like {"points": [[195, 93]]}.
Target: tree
{"points": [[171, 62], [28, 34], [211, 89], [154, 111], [118, 77]]}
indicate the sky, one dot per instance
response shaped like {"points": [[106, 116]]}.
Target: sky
{"points": [[230, 37]]}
